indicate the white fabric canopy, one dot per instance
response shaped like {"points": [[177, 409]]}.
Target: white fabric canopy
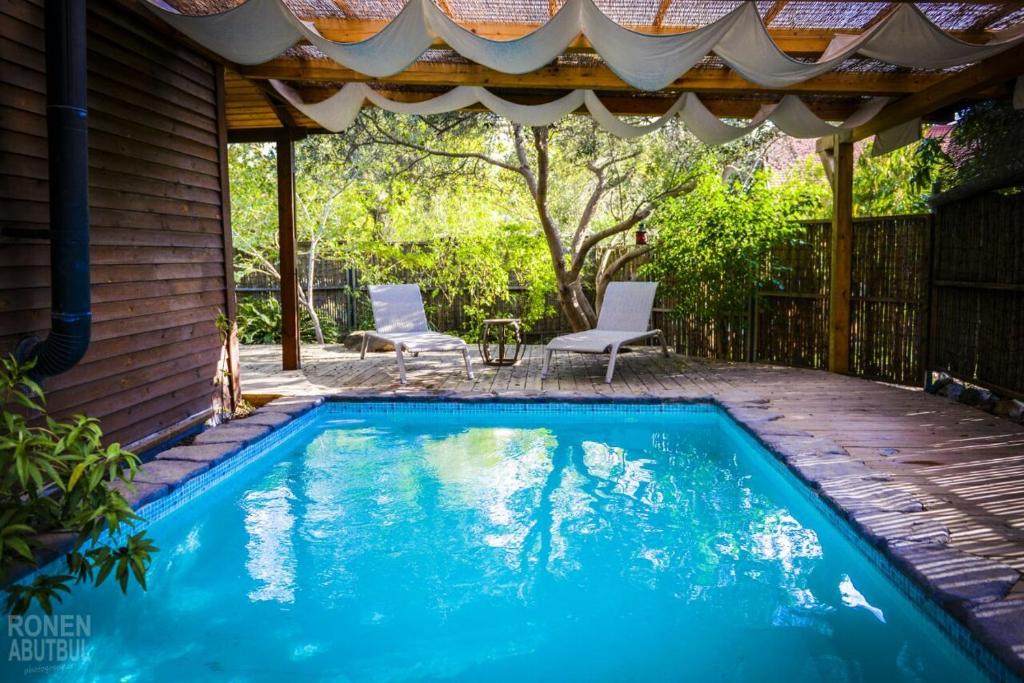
{"points": [[791, 115], [259, 30]]}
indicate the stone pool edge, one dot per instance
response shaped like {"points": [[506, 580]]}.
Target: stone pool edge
{"points": [[975, 594]]}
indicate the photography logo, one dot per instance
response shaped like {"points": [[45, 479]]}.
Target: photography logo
{"points": [[47, 643]]}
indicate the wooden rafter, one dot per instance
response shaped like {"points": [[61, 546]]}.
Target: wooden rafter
{"points": [[774, 11], [445, 74], [445, 7], [659, 16], [281, 110], [345, 8], [881, 14], [794, 41], [1000, 12], [552, 7], [949, 90]]}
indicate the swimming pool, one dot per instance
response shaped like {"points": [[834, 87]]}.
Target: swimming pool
{"points": [[381, 541]]}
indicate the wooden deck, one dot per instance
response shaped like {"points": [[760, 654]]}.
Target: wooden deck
{"points": [[965, 465]]}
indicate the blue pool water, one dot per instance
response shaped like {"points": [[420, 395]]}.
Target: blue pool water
{"points": [[407, 542]]}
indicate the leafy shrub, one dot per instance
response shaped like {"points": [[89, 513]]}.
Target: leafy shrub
{"points": [[712, 244], [58, 477], [259, 322]]}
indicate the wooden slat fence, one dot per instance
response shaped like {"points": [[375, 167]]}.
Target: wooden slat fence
{"points": [[977, 322]]}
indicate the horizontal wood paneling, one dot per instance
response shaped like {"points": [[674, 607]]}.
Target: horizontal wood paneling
{"points": [[157, 219]]}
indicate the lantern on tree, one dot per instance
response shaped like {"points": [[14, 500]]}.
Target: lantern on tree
{"points": [[641, 235]]}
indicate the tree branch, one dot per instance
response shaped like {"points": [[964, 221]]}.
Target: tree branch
{"points": [[642, 211], [392, 140]]}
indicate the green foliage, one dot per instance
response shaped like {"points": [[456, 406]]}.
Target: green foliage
{"points": [[899, 182], [712, 243], [895, 184], [58, 477], [259, 322], [986, 144]]}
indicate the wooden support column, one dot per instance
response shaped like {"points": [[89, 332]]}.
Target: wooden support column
{"points": [[234, 386], [286, 242], [842, 258]]}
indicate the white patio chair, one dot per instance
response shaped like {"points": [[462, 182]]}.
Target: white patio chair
{"points": [[400, 320], [625, 317]]}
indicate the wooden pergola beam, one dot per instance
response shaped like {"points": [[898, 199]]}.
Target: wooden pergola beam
{"points": [[841, 258], [621, 105], [290, 358], [598, 77], [794, 41], [1001, 12], [949, 90], [624, 105]]}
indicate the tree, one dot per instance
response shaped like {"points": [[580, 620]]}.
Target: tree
{"points": [[328, 198], [622, 183]]}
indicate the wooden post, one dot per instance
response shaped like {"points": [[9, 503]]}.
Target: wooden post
{"points": [[290, 359], [842, 258], [234, 387]]}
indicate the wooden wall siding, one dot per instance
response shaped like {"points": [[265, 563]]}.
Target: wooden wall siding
{"points": [[977, 330], [157, 229]]}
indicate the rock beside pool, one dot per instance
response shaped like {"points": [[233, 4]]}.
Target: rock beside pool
{"points": [[1000, 626], [211, 453], [954, 576], [171, 473], [140, 493], [233, 432], [354, 342], [269, 419], [873, 491], [290, 405]]}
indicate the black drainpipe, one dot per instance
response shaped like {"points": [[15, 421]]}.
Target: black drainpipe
{"points": [[67, 128]]}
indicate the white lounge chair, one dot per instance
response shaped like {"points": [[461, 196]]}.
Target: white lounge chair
{"points": [[400, 320], [625, 317]]}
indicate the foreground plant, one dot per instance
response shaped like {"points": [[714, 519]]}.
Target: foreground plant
{"points": [[57, 477]]}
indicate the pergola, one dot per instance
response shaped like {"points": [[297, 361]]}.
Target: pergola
{"points": [[803, 30]]}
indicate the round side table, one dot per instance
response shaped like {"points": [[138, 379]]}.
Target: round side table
{"points": [[503, 333]]}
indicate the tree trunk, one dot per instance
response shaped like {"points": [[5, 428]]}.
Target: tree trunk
{"points": [[576, 306], [311, 290]]}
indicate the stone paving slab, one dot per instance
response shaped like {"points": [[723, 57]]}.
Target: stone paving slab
{"points": [[233, 433], [211, 453], [171, 473]]}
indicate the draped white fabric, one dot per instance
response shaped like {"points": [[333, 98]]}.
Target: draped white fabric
{"points": [[896, 137], [259, 30], [791, 115]]}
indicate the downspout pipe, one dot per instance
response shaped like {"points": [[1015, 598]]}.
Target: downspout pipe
{"points": [[67, 127]]}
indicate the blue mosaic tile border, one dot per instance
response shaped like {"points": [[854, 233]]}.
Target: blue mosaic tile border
{"points": [[161, 507], [524, 406], [958, 634]]}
